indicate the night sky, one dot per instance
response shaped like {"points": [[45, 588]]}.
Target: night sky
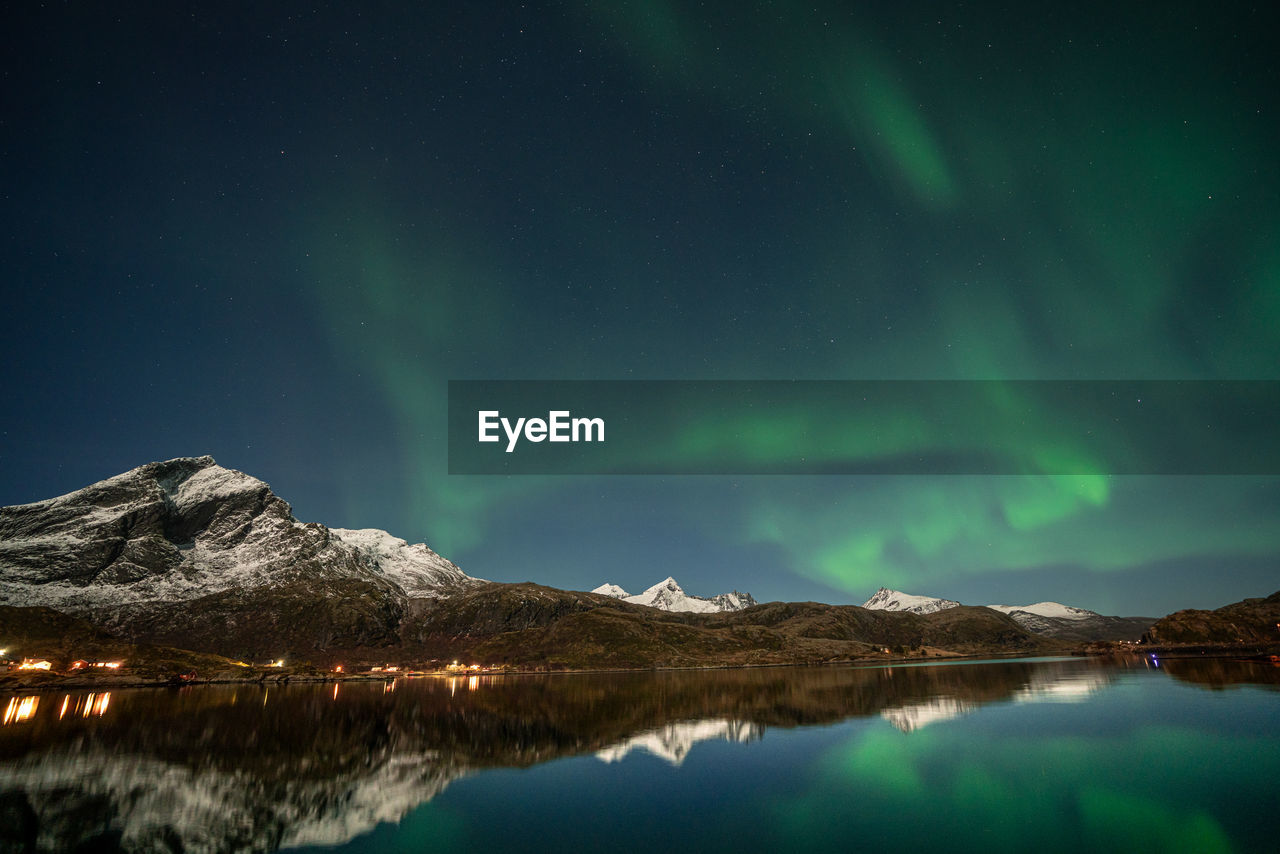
{"points": [[273, 232]]}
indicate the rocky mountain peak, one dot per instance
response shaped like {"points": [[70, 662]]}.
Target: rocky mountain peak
{"points": [[135, 551], [667, 585]]}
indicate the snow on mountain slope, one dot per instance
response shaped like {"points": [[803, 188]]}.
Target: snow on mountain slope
{"points": [[416, 568], [894, 600], [1048, 609], [612, 590], [667, 595]]}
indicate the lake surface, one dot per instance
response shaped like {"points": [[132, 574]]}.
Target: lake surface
{"points": [[1047, 754]]}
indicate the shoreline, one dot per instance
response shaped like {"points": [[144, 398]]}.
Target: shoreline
{"points": [[1249, 651], [45, 682]]}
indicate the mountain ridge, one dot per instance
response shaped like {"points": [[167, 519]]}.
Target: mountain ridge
{"points": [[1052, 619], [668, 595]]}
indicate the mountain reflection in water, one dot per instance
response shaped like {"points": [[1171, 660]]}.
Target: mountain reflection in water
{"points": [[673, 742], [236, 767]]}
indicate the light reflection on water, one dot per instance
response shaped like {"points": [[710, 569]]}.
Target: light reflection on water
{"points": [[987, 753], [22, 709]]}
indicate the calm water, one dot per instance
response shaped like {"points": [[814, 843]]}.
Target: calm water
{"points": [[1058, 755]]}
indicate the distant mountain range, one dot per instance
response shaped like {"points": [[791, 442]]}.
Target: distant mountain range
{"points": [[1051, 619], [885, 599], [190, 555], [667, 595]]}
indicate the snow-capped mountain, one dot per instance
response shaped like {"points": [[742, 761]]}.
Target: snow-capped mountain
{"points": [[611, 590], [131, 552], [1046, 618], [894, 600], [667, 595], [186, 528], [1048, 609]]}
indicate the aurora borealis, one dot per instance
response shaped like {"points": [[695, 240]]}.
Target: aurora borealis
{"points": [[274, 234]]}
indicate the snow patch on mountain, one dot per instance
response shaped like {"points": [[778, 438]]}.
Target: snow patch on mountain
{"points": [[209, 485]]}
